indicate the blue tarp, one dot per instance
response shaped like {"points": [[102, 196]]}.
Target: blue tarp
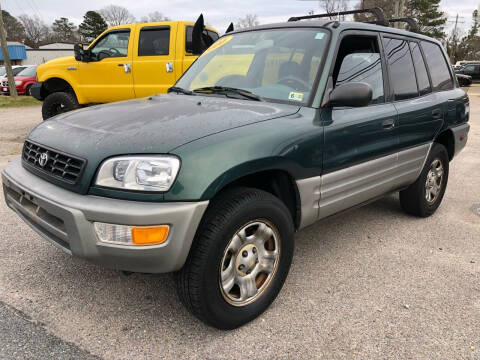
{"points": [[16, 52]]}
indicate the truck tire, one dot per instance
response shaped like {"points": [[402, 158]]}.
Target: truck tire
{"points": [[424, 196], [58, 103], [239, 258]]}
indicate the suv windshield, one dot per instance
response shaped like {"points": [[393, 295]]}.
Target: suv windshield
{"points": [[279, 65], [29, 71]]}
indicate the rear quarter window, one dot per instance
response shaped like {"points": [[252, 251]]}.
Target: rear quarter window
{"points": [[438, 67], [154, 41]]}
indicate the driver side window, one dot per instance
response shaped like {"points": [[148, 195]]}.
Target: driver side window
{"points": [[113, 44], [359, 60]]}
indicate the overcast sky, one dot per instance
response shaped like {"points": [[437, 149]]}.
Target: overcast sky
{"points": [[217, 13]]}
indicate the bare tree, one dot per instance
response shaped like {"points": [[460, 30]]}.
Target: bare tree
{"points": [[334, 6], [116, 15], [248, 21], [155, 16], [36, 31]]}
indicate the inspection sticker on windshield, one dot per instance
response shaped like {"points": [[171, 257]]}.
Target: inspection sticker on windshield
{"points": [[295, 96], [319, 36]]}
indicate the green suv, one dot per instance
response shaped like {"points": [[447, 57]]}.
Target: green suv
{"points": [[272, 129]]}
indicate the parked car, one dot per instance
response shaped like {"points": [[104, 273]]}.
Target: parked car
{"points": [[23, 81], [124, 62], [3, 74], [471, 69], [464, 80], [272, 129]]}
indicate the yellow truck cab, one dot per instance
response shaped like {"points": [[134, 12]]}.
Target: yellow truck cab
{"points": [[124, 62]]}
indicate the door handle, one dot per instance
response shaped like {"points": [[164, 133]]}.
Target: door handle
{"points": [[388, 124], [437, 114], [126, 67]]}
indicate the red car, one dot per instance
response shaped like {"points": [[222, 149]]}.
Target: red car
{"points": [[23, 81]]}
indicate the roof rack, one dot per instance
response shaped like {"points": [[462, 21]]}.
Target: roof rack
{"points": [[378, 12], [411, 23]]}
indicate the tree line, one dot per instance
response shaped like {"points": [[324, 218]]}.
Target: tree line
{"points": [[34, 32]]}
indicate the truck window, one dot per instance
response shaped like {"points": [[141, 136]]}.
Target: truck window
{"points": [[441, 78], [212, 37], [154, 41], [112, 44], [423, 82], [359, 59], [402, 73]]}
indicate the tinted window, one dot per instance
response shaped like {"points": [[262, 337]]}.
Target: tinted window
{"points": [[441, 79], [364, 67], [154, 41], [402, 73], [420, 69], [17, 70], [209, 37], [469, 69]]}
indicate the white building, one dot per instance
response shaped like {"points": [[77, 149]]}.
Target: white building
{"points": [[48, 52]]}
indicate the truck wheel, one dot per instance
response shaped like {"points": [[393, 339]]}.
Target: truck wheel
{"points": [[239, 259], [57, 103], [424, 196]]}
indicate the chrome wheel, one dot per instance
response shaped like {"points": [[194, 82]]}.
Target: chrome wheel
{"points": [[434, 181], [249, 262]]}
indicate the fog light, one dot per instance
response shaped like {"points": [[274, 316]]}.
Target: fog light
{"points": [[131, 235]]}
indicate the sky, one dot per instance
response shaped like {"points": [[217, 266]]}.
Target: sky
{"points": [[217, 13]]}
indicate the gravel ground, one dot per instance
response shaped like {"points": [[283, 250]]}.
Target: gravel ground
{"points": [[370, 283]]}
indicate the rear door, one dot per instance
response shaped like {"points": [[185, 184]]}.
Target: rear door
{"points": [[107, 77], [153, 59]]}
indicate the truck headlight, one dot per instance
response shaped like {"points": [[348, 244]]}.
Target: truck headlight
{"points": [[18, 82], [142, 173]]}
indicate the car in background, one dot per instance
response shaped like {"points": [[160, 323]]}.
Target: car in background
{"points": [[24, 80], [16, 69], [464, 80], [470, 69]]}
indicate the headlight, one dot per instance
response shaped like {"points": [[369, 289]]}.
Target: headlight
{"points": [[18, 82], [143, 173]]}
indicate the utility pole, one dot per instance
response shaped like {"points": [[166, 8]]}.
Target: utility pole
{"points": [[6, 58]]}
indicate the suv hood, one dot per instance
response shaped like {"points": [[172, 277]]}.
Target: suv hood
{"points": [[153, 125]]}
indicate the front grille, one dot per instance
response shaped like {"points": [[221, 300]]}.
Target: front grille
{"points": [[61, 166]]}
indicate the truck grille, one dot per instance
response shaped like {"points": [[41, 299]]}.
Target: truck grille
{"points": [[61, 166]]}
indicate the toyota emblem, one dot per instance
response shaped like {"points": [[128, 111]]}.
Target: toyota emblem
{"points": [[42, 160]]}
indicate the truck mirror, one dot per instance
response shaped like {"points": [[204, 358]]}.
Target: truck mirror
{"points": [[198, 45], [81, 54], [230, 28]]}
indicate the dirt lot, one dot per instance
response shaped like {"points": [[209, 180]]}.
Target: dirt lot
{"points": [[371, 283]]}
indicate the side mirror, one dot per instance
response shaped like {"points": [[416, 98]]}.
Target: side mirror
{"points": [[80, 53], [198, 45], [352, 94]]}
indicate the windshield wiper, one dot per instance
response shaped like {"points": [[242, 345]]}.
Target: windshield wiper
{"points": [[180, 90], [225, 90]]}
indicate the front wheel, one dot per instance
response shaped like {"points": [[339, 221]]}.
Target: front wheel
{"points": [[58, 103], [424, 196], [239, 260]]}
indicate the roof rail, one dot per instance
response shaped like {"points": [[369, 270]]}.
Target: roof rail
{"points": [[411, 23], [378, 12]]}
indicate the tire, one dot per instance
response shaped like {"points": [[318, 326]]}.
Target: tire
{"points": [[414, 199], [199, 282], [58, 103]]}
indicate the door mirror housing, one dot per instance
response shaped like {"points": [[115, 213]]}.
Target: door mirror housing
{"points": [[81, 54], [352, 94]]}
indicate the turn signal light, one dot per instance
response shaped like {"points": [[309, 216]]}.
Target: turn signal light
{"points": [[150, 235]]}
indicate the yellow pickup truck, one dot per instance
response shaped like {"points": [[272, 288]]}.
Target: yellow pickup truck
{"points": [[124, 62]]}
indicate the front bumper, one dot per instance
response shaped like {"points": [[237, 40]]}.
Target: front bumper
{"points": [[36, 91], [66, 219]]}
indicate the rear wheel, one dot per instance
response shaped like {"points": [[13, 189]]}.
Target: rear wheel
{"points": [[239, 259], [424, 196], [58, 103]]}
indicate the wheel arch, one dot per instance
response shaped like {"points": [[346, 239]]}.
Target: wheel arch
{"points": [[278, 182], [447, 139], [59, 84]]}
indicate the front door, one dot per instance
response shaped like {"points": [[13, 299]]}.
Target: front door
{"points": [[360, 144], [108, 76]]}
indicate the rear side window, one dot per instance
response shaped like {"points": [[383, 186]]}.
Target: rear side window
{"points": [[154, 41], [469, 69], [402, 73], [420, 69], [441, 79]]}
